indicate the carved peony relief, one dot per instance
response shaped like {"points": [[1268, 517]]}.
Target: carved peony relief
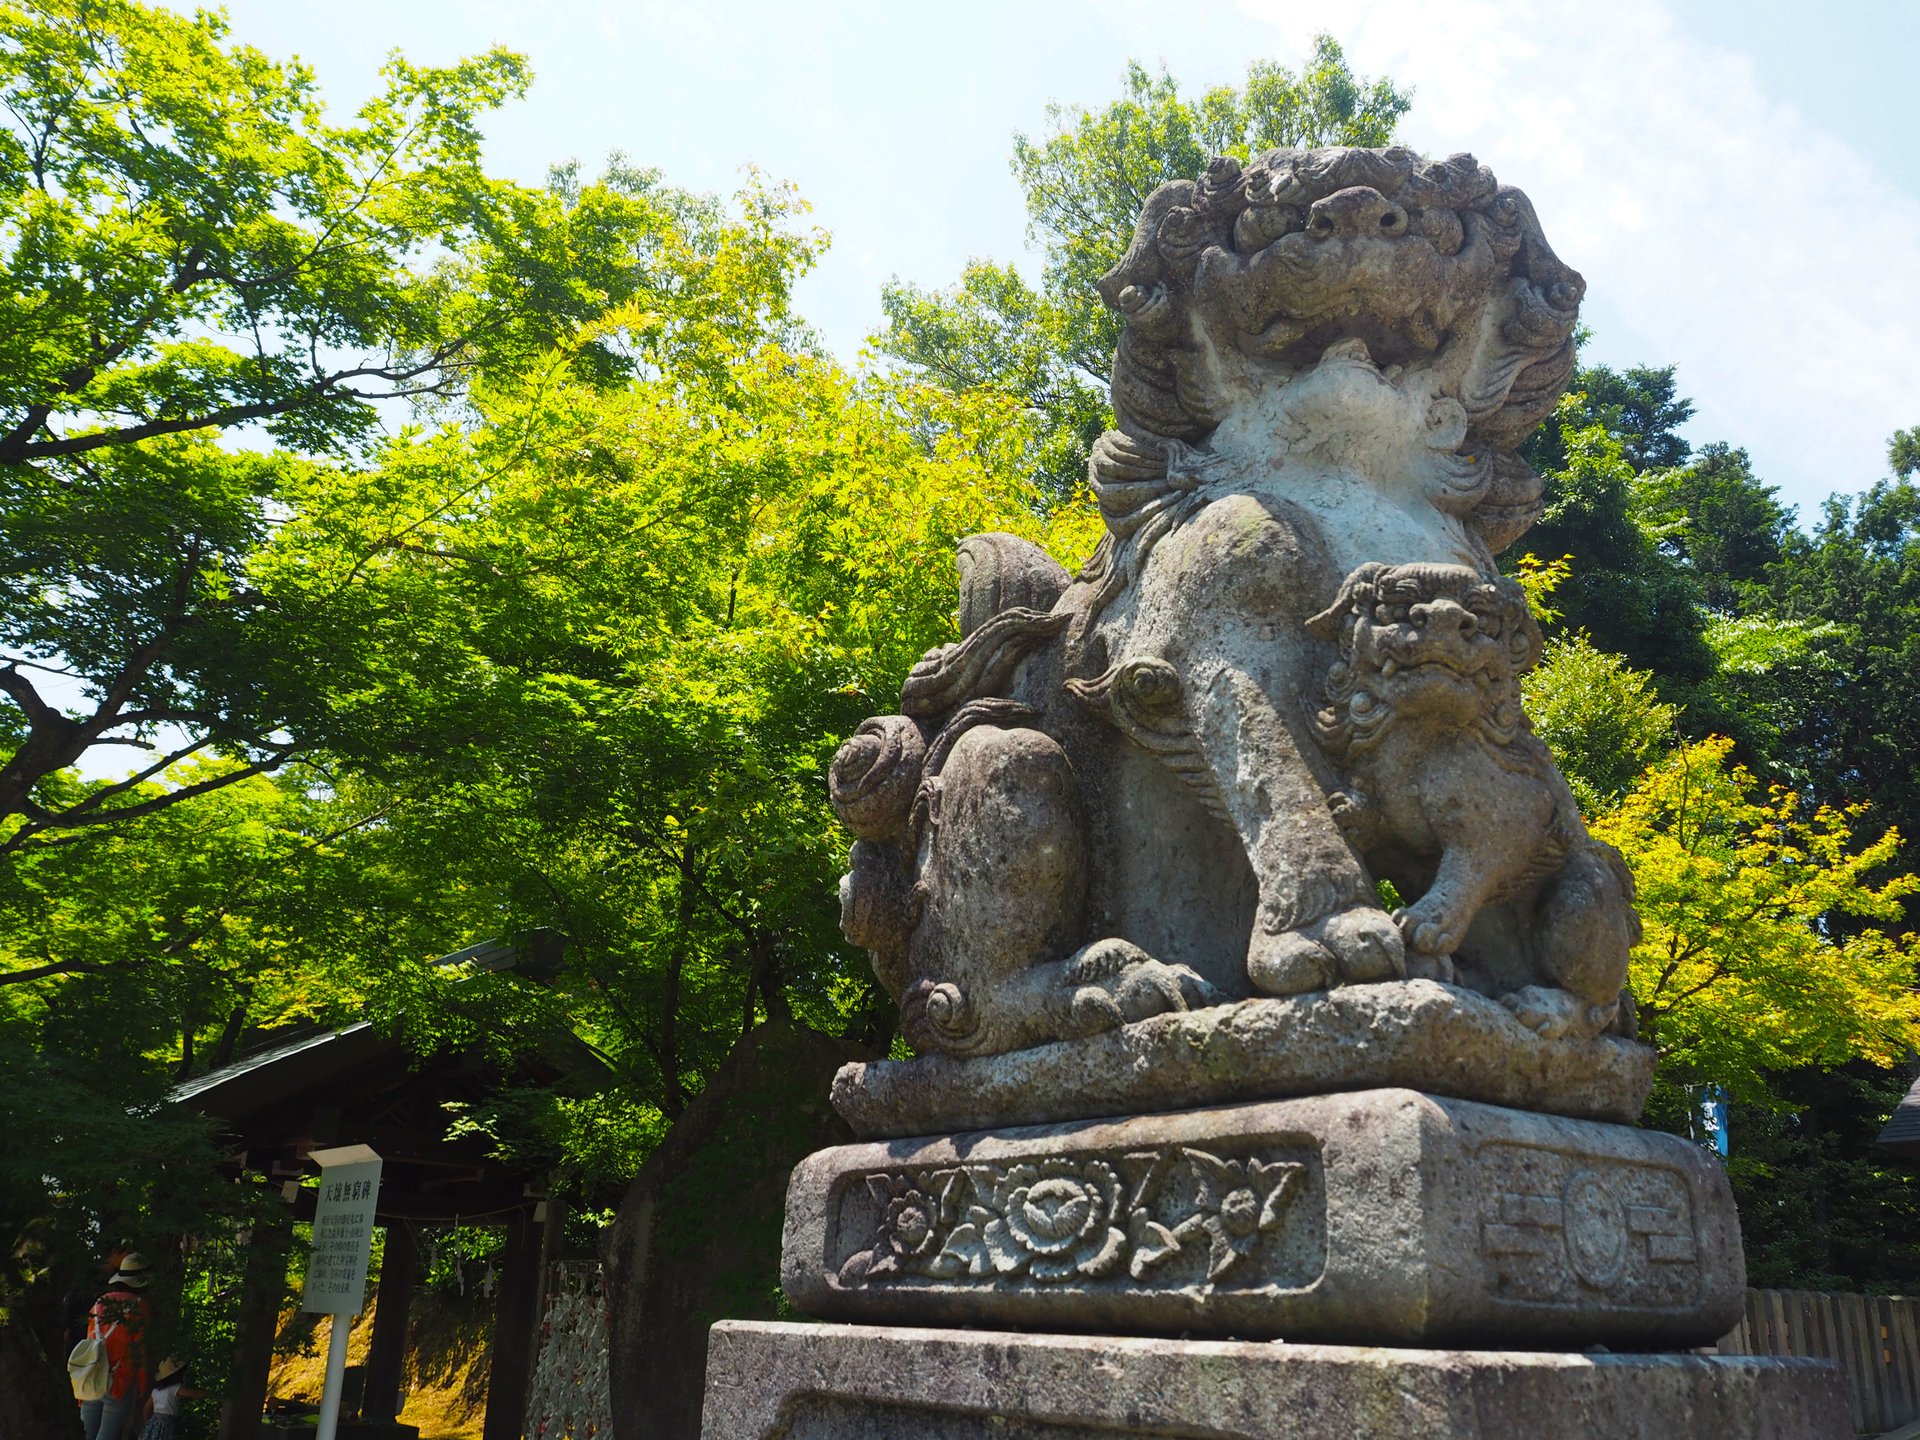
{"points": [[1075, 1219]]}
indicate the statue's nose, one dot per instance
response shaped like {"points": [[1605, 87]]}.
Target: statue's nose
{"points": [[1443, 615], [1357, 210]]}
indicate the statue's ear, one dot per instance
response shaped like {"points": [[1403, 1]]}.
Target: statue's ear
{"points": [[1356, 589], [1326, 625], [1523, 631]]}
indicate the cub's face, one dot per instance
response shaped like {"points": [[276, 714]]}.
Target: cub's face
{"points": [[1442, 657], [1435, 641]]}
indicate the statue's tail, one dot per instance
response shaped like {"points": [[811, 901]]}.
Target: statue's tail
{"points": [[1003, 572]]}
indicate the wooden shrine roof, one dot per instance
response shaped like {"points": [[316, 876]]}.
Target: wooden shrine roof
{"points": [[355, 1085]]}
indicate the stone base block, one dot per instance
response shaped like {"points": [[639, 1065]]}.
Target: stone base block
{"points": [[1438, 1038], [1385, 1216], [855, 1382]]}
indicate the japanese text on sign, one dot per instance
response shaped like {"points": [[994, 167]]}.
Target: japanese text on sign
{"points": [[342, 1232]]}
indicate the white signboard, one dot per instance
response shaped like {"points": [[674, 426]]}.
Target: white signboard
{"points": [[342, 1230]]}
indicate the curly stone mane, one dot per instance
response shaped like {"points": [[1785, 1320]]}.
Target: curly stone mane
{"points": [[1254, 265]]}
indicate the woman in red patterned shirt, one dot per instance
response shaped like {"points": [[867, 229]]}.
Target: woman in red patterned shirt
{"points": [[120, 1318]]}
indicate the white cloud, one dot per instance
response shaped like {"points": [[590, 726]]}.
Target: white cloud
{"points": [[1716, 227]]}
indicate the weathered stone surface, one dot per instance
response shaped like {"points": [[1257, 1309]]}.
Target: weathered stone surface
{"points": [[853, 1382], [1414, 1033], [1290, 670], [1380, 1217]]}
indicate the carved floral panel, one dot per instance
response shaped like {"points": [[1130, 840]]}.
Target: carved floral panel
{"points": [[1174, 1217]]}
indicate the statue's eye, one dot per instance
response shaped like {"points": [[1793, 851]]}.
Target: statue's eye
{"points": [[1383, 613]]}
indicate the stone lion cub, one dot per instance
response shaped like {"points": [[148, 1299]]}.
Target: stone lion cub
{"points": [[1451, 797]]}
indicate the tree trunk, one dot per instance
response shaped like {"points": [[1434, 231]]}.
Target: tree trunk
{"points": [[698, 1236], [35, 1402]]}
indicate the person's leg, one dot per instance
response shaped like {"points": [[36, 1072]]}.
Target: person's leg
{"points": [[118, 1417], [90, 1418]]}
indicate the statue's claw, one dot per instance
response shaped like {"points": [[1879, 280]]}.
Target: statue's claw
{"points": [[1287, 964], [1430, 928], [1348, 947], [1115, 982], [1365, 943]]}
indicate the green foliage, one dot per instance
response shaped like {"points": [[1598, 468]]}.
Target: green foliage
{"points": [[1903, 452], [1759, 644], [1603, 720], [198, 261], [1715, 518], [590, 1145], [1624, 590], [1538, 579], [256, 904], [1822, 1205], [1639, 407], [1743, 970], [994, 334], [678, 598], [459, 1255], [1050, 348], [1851, 724]]}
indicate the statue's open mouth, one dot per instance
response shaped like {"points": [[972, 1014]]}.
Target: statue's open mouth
{"points": [[1470, 666], [1294, 299], [1302, 342]]}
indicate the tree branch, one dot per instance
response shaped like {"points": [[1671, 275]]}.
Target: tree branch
{"points": [[17, 449], [52, 967]]}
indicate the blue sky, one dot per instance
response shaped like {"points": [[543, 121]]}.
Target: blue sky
{"points": [[1736, 180]]}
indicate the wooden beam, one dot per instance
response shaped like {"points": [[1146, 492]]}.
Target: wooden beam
{"points": [[387, 1351], [472, 1204], [515, 1328], [257, 1315]]}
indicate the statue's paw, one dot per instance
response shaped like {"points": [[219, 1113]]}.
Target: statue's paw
{"points": [[1556, 1014], [1429, 930], [1365, 944], [1104, 959], [1290, 963], [1116, 982], [1348, 947], [1093, 1010]]}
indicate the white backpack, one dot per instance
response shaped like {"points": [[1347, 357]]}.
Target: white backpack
{"points": [[88, 1367]]}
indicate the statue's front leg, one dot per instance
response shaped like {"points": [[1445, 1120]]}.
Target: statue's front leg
{"points": [[1319, 922]]}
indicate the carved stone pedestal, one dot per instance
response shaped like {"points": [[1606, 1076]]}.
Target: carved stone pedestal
{"points": [[856, 1382], [1379, 1216], [1445, 1040]]}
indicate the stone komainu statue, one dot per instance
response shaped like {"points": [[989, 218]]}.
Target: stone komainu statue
{"points": [[1290, 669]]}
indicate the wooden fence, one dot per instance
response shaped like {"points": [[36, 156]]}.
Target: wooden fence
{"points": [[1875, 1339]]}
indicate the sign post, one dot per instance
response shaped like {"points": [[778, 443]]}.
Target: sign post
{"points": [[337, 1268]]}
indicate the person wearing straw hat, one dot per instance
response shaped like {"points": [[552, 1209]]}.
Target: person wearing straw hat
{"points": [[163, 1405], [119, 1319], [77, 1303]]}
